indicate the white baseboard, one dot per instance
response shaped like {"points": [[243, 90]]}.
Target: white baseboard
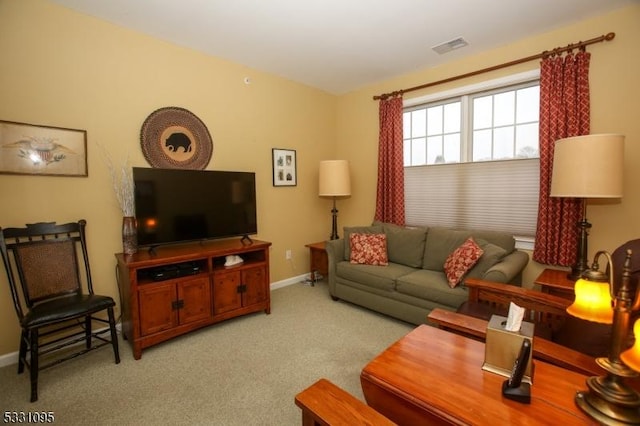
{"points": [[8, 359], [289, 281], [12, 357]]}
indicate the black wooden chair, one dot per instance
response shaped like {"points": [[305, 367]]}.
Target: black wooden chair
{"points": [[47, 268]]}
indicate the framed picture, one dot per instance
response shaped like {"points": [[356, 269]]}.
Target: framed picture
{"points": [[284, 167], [30, 149]]}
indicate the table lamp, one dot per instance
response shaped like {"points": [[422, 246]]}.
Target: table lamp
{"points": [[334, 182], [609, 399], [588, 166]]}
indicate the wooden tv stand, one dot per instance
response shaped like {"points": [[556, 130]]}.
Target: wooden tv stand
{"points": [[196, 288]]}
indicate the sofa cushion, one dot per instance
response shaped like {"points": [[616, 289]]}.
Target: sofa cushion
{"points": [[461, 260], [381, 277], [501, 239], [439, 244], [348, 230], [492, 255], [404, 245], [442, 241], [433, 286], [368, 249]]}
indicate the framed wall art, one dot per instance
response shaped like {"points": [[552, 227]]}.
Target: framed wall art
{"points": [[284, 167], [175, 138], [31, 149]]}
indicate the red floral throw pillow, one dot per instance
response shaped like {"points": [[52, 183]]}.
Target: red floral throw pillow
{"points": [[461, 261], [368, 249]]}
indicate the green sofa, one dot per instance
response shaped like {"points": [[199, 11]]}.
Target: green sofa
{"points": [[414, 281]]}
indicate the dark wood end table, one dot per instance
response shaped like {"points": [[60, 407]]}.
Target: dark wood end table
{"points": [[318, 261], [556, 282]]}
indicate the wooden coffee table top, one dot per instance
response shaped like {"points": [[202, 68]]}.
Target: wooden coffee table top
{"points": [[436, 376]]}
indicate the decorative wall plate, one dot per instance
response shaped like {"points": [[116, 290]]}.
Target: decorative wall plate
{"points": [[174, 138]]}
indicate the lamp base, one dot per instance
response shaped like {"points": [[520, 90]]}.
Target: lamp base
{"points": [[582, 263], [609, 401], [575, 274], [334, 222]]}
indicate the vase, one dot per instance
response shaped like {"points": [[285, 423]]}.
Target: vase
{"points": [[129, 235]]}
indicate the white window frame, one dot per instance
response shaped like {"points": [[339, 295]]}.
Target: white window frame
{"points": [[472, 88], [523, 242]]}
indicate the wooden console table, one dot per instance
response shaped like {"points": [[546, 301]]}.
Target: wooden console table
{"points": [[432, 376], [203, 292]]}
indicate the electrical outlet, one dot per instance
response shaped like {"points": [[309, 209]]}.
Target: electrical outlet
{"points": [[287, 254]]}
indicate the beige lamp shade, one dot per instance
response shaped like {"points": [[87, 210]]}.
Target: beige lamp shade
{"points": [[334, 179], [589, 166], [592, 302]]}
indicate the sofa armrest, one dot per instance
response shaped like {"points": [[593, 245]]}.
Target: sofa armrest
{"points": [[509, 269], [335, 254]]}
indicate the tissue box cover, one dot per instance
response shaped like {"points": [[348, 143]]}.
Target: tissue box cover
{"points": [[502, 347]]}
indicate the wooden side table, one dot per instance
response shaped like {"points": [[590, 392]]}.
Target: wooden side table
{"points": [[555, 281], [318, 261]]}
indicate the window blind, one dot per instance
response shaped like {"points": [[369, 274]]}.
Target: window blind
{"points": [[491, 195]]}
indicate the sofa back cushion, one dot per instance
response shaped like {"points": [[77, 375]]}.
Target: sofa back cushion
{"points": [[404, 245], [441, 242]]}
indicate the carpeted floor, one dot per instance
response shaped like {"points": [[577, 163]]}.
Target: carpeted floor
{"points": [[245, 371]]}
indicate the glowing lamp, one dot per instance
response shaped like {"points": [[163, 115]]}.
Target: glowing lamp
{"points": [[631, 357], [609, 399]]}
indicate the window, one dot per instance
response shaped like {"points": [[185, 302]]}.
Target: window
{"points": [[505, 124], [432, 134], [471, 157], [502, 124]]}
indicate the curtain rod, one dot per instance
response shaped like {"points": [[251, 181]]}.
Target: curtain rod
{"points": [[555, 51]]}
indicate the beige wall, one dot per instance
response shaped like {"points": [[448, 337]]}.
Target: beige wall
{"points": [[615, 107], [64, 69]]}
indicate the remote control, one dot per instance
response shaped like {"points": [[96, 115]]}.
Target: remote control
{"points": [[520, 365]]}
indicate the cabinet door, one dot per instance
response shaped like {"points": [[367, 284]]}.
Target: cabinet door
{"points": [[225, 292], [255, 281], [196, 300], [157, 312]]}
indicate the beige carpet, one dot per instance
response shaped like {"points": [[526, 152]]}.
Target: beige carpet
{"points": [[245, 371]]}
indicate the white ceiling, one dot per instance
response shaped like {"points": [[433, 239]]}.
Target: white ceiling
{"points": [[341, 45]]}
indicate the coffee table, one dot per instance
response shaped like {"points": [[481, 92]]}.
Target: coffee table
{"points": [[432, 376]]}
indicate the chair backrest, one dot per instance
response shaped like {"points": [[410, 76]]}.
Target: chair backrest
{"points": [[43, 261], [618, 257], [544, 310]]}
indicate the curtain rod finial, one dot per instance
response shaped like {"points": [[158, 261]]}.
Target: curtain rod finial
{"points": [[610, 36]]}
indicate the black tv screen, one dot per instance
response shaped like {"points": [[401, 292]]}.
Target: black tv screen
{"points": [[174, 205]]}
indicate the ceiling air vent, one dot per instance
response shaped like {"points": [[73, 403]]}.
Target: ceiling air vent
{"points": [[450, 45]]}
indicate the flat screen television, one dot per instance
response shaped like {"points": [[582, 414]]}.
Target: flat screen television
{"points": [[175, 205]]}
